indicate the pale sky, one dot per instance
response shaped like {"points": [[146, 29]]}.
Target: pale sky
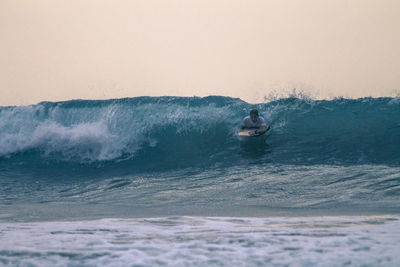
{"points": [[54, 50]]}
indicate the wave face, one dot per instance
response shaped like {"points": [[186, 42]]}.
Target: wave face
{"points": [[170, 132], [157, 156]]}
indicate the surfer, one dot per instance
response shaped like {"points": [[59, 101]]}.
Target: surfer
{"points": [[254, 122]]}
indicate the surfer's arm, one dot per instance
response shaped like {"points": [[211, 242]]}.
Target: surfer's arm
{"points": [[263, 128], [243, 126]]}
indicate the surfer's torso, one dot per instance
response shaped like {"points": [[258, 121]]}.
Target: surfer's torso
{"points": [[249, 124]]}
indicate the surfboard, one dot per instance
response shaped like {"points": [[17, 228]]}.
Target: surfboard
{"points": [[246, 133], [250, 132]]}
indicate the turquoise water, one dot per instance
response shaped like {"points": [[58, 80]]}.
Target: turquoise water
{"points": [[76, 163]]}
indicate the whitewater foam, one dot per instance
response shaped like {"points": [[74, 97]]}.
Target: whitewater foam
{"points": [[193, 241]]}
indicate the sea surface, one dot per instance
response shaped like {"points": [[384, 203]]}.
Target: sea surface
{"points": [[166, 181]]}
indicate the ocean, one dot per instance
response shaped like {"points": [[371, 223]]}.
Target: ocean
{"points": [[166, 181]]}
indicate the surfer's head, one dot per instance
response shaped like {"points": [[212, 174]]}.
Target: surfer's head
{"points": [[254, 115]]}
